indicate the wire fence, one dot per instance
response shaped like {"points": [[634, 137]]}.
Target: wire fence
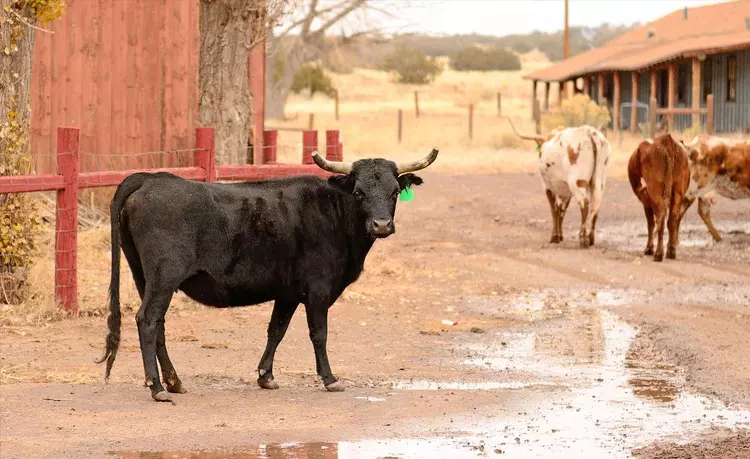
{"points": [[48, 189]]}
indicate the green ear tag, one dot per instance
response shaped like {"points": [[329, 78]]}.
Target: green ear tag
{"points": [[407, 194], [538, 147]]}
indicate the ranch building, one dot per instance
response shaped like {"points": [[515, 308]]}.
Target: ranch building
{"points": [[694, 63]]}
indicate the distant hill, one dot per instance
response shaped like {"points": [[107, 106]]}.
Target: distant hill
{"points": [[343, 53], [550, 44]]}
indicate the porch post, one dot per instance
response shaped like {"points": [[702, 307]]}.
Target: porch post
{"points": [[634, 101], [616, 102], [696, 91], [671, 88]]}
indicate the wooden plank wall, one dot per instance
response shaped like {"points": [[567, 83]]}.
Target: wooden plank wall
{"points": [[126, 73]]}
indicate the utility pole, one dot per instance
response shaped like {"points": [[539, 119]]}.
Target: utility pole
{"points": [[566, 35]]}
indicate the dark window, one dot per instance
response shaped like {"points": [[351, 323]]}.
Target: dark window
{"points": [[609, 88], [731, 78], [663, 86], [707, 75], [682, 84]]}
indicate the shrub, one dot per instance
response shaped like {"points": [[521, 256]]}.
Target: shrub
{"points": [[574, 112], [476, 58], [312, 78], [19, 224], [412, 66], [691, 132]]}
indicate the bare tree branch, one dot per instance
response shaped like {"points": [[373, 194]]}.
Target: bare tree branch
{"points": [[310, 17], [324, 11], [381, 10], [20, 18], [343, 13]]}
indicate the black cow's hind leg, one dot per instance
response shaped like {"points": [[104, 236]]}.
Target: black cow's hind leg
{"points": [[317, 322], [174, 385], [150, 320], [280, 318]]}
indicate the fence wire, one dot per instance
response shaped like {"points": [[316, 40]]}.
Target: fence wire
{"points": [[36, 221]]}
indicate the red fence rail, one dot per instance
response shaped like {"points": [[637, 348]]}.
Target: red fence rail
{"points": [[68, 180]]}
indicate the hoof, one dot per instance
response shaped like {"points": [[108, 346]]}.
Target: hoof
{"points": [[591, 240], [649, 251], [583, 243], [337, 386], [161, 397], [555, 239], [175, 387], [270, 384], [659, 257], [671, 254]]}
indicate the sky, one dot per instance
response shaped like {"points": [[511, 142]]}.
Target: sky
{"points": [[504, 17]]}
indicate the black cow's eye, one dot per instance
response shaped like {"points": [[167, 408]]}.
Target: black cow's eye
{"points": [[357, 194]]}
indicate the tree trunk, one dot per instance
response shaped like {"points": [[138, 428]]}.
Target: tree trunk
{"points": [[225, 99], [278, 86], [19, 223], [16, 53]]}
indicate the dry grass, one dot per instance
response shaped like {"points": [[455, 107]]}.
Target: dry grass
{"points": [[370, 100], [29, 373], [94, 261]]}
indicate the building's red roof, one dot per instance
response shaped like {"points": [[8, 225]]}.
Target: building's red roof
{"points": [[707, 29]]}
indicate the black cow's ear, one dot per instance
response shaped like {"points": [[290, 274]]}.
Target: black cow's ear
{"points": [[342, 182], [408, 180]]}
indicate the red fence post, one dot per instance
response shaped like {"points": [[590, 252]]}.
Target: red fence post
{"points": [[270, 146], [205, 155], [309, 145], [66, 220], [333, 146]]}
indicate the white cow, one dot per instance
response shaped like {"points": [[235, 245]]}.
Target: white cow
{"points": [[573, 164]]}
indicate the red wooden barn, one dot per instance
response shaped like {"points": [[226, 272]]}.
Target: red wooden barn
{"points": [[126, 73]]}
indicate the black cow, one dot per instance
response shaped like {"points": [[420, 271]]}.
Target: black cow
{"points": [[292, 240]]}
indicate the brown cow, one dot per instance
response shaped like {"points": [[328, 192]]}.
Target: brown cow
{"points": [[719, 167], [659, 174]]}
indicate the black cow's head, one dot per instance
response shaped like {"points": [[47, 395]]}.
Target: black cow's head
{"points": [[375, 184]]}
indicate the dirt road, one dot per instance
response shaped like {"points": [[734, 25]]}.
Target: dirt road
{"points": [[557, 351]]}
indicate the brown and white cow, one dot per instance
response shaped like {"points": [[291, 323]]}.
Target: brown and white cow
{"points": [[659, 175], [719, 166], [573, 164]]}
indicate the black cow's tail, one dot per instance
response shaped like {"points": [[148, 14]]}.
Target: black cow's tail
{"points": [[130, 185]]}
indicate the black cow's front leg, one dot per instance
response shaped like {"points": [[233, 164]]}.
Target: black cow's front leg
{"points": [[280, 318], [317, 322]]}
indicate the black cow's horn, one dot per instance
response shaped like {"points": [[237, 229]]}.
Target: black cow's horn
{"points": [[331, 166], [403, 168]]}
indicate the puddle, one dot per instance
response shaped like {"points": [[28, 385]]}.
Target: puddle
{"points": [[453, 385], [625, 403], [614, 403], [371, 399], [632, 235], [367, 449], [537, 305]]}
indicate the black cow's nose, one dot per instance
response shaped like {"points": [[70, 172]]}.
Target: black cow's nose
{"points": [[382, 227]]}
